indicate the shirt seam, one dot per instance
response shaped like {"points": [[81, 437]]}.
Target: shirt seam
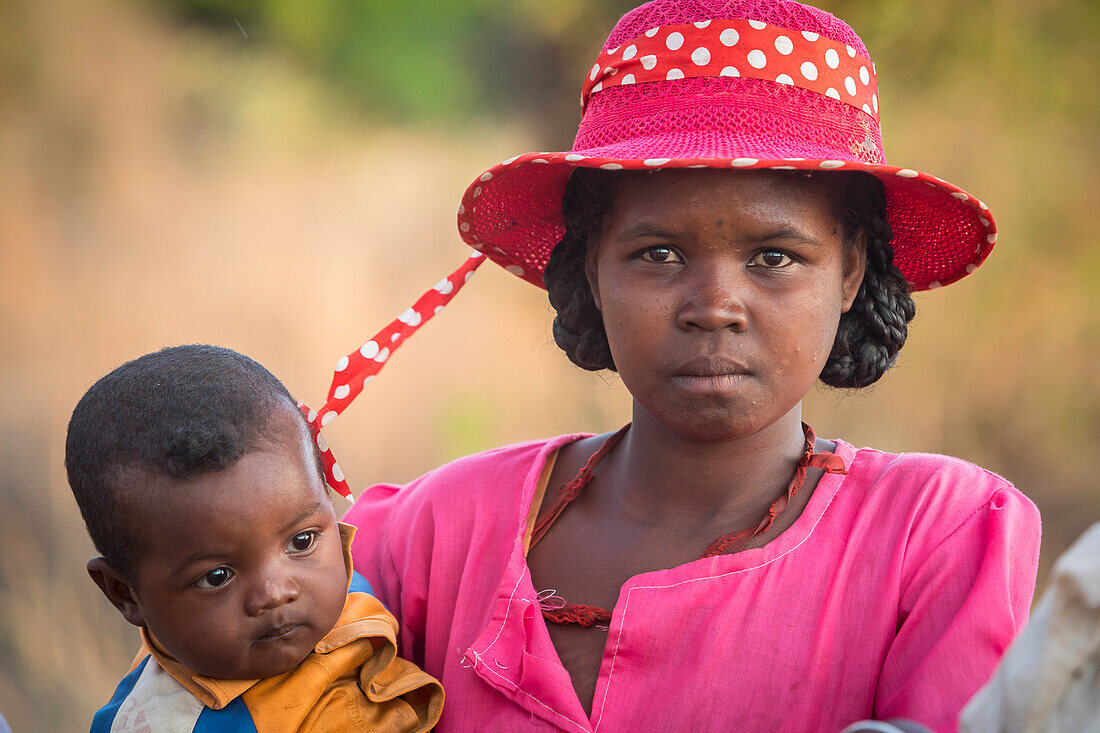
{"points": [[985, 507], [508, 611], [519, 578], [523, 692], [626, 604]]}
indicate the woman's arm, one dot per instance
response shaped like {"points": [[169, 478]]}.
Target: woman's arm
{"points": [[382, 554], [964, 601]]}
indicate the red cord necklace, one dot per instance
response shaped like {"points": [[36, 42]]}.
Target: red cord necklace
{"points": [[589, 616]]}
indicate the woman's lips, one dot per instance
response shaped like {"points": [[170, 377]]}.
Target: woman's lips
{"points": [[710, 383], [709, 374]]}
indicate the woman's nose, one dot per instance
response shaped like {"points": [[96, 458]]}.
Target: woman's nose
{"points": [[273, 588], [713, 300]]}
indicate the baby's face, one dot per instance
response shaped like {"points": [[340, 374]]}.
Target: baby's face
{"points": [[242, 571]]}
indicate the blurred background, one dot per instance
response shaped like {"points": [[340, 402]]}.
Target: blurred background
{"points": [[281, 177]]}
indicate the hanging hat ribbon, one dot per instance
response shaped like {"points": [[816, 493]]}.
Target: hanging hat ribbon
{"points": [[357, 369]]}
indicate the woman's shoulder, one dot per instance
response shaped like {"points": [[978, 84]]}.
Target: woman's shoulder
{"points": [[883, 465], [489, 473], [925, 469], [503, 465], [932, 486]]}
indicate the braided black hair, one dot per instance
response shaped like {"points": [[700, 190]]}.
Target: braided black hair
{"points": [[578, 327], [870, 334], [874, 329]]}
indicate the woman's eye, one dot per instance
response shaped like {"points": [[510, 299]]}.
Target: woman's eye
{"points": [[215, 578], [302, 541], [661, 255], [770, 258]]}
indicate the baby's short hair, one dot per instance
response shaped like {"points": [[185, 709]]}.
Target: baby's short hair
{"points": [[179, 412]]}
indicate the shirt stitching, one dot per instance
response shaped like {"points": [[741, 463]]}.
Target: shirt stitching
{"points": [[504, 622], [986, 508], [507, 613], [545, 453], [626, 603], [523, 692]]}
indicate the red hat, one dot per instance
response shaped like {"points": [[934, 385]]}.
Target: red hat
{"points": [[746, 84], [738, 85]]}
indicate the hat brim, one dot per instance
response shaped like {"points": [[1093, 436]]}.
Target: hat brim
{"points": [[512, 212]]}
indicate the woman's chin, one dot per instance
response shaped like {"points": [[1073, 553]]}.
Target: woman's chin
{"points": [[707, 423]]}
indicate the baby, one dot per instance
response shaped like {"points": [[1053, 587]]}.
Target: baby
{"points": [[201, 487]]}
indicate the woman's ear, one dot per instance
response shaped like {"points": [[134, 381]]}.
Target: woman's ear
{"points": [[855, 265], [591, 272], [119, 590]]}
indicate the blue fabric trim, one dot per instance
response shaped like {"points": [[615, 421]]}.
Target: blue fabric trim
{"points": [[359, 584], [105, 717], [233, 718]]}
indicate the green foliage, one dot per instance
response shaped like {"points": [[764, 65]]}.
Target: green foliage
{"points": [[423, 59], [417, 59]]}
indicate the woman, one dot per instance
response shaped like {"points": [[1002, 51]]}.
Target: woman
{"points": [[725, 232]]}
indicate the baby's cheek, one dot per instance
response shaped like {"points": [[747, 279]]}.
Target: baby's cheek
{"points": [[332, 584]]}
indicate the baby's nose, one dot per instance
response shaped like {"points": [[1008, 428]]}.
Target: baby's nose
{"points": [[271, 590]]}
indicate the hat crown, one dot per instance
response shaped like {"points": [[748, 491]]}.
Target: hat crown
{"points": [[737, 84], [715, 115], [785, 13]]}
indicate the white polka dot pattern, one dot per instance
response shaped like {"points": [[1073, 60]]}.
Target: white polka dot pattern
{"points": [[747, 48], [520, 239], [984, 239], [356, 370]]}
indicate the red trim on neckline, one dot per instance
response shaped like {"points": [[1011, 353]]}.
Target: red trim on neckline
{"points": [[589, 616]]}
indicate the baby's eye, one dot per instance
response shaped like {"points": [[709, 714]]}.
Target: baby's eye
{"points": [[661, 255], [302, 541], [215, 578], [770, 258]]}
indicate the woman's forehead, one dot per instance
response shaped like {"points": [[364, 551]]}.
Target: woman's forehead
{"points": [[687, 194]]}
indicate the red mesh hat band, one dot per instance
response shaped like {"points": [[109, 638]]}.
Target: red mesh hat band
{"points": [[773, 85], [739, 48], [356, 370]]}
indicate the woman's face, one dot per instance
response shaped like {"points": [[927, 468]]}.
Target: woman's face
{"points": [[721, 292]]}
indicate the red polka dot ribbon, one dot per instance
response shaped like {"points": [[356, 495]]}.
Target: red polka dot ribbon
{"points": [[356, 370], [739, 48]]}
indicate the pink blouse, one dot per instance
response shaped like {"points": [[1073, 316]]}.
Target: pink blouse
{"points": [[893, 595]]}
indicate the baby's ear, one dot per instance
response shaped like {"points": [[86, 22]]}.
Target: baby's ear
{"points": [[117, 588]]}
